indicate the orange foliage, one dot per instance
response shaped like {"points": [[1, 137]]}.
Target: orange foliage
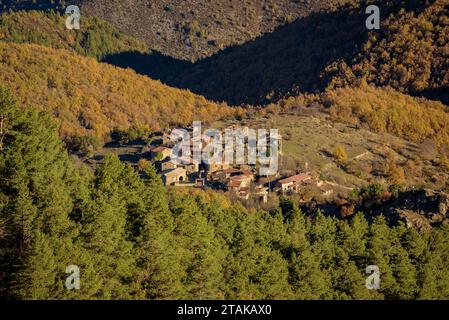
{"points": [[92, 99]]}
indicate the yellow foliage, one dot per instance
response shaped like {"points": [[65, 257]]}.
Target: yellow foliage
{"points": [[91, 98], [386, 110], [340, 153]]}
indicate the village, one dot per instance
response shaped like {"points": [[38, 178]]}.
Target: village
{"points": [[242, 181]]}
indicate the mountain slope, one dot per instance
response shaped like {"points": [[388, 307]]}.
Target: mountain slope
{"points": [[329, 45], [410, 53], [381, 110], [194, 29], [288, 61], [97, 38], [91, 98], [7, 5]]}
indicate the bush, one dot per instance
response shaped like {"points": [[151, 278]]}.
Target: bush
{"points": [[340, 153]]}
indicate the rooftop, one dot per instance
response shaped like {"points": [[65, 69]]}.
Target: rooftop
{"points": [[174, 172], [296, 178]]}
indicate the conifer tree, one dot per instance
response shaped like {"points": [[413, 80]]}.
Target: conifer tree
{"points": [[351, 260], [403, 269], [305, 275], [160, 272], [322, 236], [35, 191], [434, 277], [104, 232], [379, 252], [202, 256], [254, 269]]}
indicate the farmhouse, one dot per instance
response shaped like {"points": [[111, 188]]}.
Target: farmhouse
{"points": [[200, 183], [165, 165], [293, 183], [174, 176], [238, 183], [190, 168], [243, 194]]}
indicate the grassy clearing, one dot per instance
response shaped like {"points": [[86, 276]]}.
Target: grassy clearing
{"points": [[309, 142]]}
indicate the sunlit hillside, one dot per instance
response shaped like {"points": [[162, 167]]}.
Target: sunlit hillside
{"points": [[91, 98]]}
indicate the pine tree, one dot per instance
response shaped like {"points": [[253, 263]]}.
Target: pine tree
{"points": [[201, 254], [104, 232], [305, 275], [348, 280], [160, 272], [254, 269], [35, 189], [380, 250], [349, 275], [434, 276], [403, 269], [322, 236]]}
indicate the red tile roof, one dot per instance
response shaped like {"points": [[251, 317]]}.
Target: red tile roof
{"points": [[234, 183], [296, 179]]}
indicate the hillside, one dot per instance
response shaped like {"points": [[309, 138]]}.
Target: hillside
{"points": [[371, 156], [190, 30], [377, 128], [7, 5], [328, 45], [386, 110], [380, 110], [92, 99], [410, 53], [97, 38]]}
